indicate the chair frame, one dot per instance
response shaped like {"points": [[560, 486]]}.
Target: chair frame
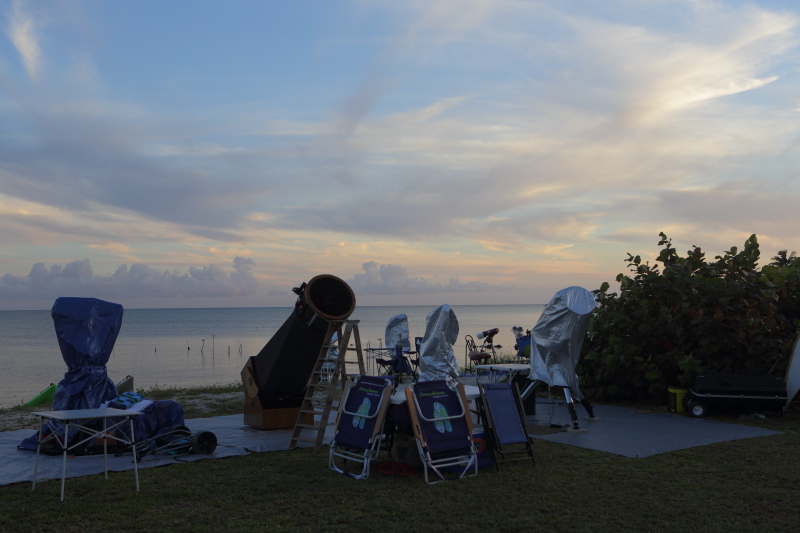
{"points": [[469, 461], [490, 428], [473, 354], [379, 433]]}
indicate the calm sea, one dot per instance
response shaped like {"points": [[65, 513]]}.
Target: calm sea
{"points": [[193, 347]]}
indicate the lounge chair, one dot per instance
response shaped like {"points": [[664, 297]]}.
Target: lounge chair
{"points": [[442, 426], [504, 422], [360, 423]]}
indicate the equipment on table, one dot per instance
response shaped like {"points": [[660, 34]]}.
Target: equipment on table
{"points": [[360, 424], [442, 426], [125, 385], [756, 392], [556, 342], [87, 329], [275, 380], [436, 359], [504, 421]]}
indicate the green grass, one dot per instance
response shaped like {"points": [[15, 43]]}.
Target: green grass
{"points": [[745, 485], [163, 392]]}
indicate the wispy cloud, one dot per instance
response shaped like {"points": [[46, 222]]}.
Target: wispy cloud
{"points": [[22, 33]]}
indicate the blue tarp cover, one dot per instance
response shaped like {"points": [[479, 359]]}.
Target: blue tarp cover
{"points": [[86, 329]]}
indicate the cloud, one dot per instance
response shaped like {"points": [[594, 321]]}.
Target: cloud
{"points": [[525, 135], [394, 279], [277, 291], [77, 279], [22, 33]]}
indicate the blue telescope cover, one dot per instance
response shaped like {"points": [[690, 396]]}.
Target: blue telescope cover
{"points": [[86, 329]]}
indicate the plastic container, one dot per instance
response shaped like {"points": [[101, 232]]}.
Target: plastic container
{"points": [[676, 395]]}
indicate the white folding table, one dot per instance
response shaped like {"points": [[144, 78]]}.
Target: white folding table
{"points": [[59, 424], [512, 369]]}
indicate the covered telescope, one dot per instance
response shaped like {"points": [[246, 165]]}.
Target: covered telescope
{"points": [[436, 358], [556, 342], [86, 329], [557, 338]]}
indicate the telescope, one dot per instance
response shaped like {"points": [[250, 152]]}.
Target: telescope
{"points": [[488, 333], [275, 379]]}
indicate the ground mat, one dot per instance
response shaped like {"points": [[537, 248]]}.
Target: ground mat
{"points": [[233, 438], [631, 433], [622, 431]]}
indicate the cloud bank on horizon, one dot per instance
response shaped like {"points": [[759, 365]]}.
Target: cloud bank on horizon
{"points": [[509, 147], [78, 279]]}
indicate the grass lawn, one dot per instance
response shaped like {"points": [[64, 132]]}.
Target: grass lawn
{"points": [[745, 485]]}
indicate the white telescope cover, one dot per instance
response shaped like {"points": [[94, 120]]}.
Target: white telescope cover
{"points": [[397, 326], [436, 360], [557, 338]]}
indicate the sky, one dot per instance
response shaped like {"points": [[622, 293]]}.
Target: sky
{"points": [[217, 154]]}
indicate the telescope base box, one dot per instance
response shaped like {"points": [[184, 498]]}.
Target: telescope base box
{"points": [[257, 417]]}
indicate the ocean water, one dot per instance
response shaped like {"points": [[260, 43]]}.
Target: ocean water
{"points": [[195, 347]]}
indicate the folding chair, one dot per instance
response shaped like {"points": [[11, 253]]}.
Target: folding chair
{"points": [[418, 348], [475, 355], [399, 364], [504, 421], [360, 423], [443, 429]]}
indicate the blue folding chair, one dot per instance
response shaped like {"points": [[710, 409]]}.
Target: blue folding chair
{"points": [[442, 426], [399, 364], [360, 423], [504, 422]]}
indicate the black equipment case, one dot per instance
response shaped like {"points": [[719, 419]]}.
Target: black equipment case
{"points": [[757, 392]]}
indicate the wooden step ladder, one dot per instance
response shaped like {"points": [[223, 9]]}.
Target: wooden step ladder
{"points": [[322, 385]]}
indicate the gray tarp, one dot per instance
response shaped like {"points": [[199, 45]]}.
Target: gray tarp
{"points": [[557, 338], [436, 359], [233, 438], [397, 330]]}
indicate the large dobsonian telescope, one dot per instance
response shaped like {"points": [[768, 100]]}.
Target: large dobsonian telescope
{"points": [[275, 380]]}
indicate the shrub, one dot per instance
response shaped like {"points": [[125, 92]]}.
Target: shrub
{"points": [[684, 315]]}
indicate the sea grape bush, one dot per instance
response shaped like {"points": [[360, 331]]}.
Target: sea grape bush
{"points": [[684, 315]]}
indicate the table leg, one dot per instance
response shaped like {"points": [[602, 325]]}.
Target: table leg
{"points": [[105, 446], [64, 446], [135, 459], [38, 447]]}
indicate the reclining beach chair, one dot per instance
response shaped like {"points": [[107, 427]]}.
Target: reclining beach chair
{"points": [[504, 422], [360, 423], [442, 426]]}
